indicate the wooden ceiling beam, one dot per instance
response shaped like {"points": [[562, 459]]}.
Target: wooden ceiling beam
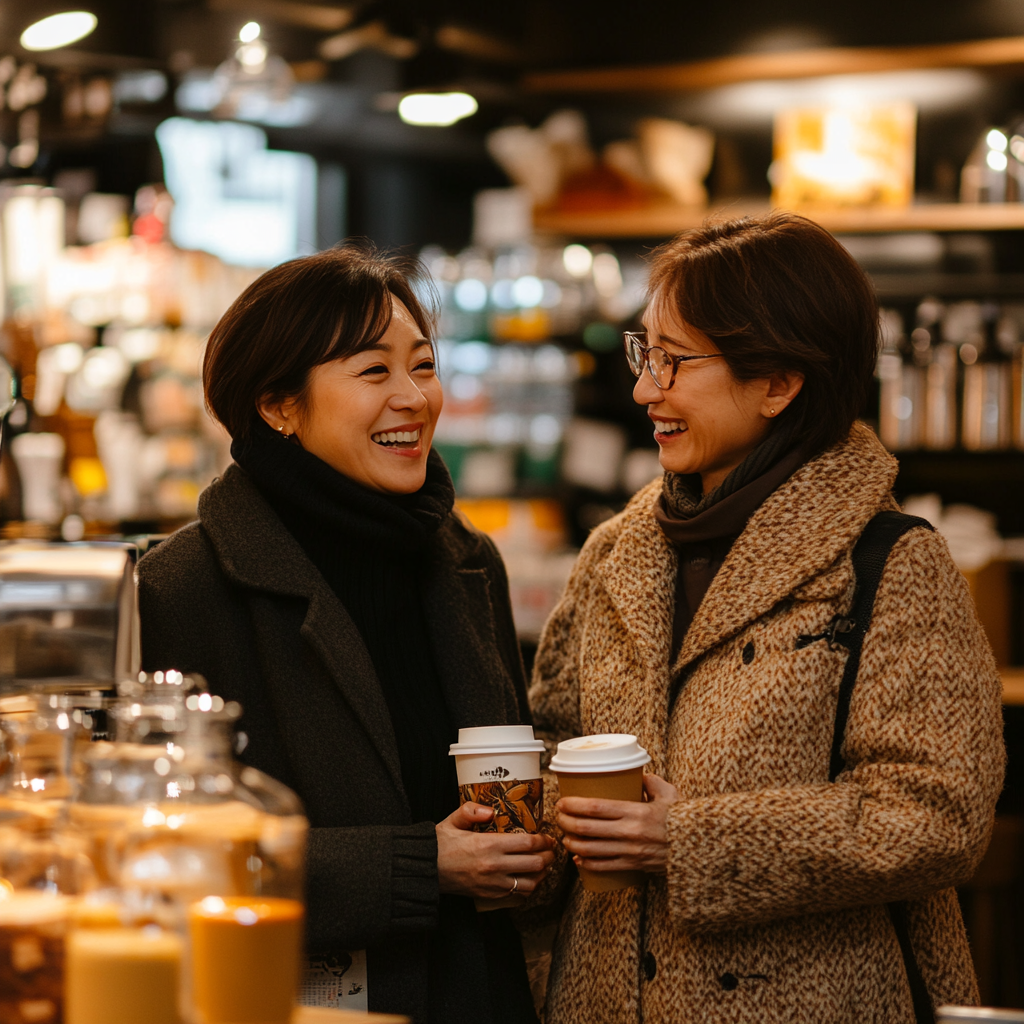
{"points": [[707, 74]]}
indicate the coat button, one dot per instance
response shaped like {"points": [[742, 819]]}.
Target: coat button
{"points": [[729, 982], [650, 966], [748, 656]]}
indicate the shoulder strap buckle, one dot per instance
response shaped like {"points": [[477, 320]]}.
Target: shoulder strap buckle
{"points": [[840, 624]]}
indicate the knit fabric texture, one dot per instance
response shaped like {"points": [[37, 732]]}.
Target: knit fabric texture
{"points": [[369, 547], [772, 908]]}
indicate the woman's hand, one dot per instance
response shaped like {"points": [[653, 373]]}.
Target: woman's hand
{"points": [[487, 864], [619, 835]]}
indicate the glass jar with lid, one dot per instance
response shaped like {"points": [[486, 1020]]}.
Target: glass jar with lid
{"points": [[186, 838], [42, 865]]}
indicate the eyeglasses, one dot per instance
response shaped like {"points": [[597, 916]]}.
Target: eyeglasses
{"points": [[661, 365]]}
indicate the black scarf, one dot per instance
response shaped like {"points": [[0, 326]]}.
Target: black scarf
{"points": [[682, 495], [297, 481], [370, 548], [703, 527]]}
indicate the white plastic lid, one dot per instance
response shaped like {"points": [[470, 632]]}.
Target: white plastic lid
{"points": [[496, 739], [604, 752]]}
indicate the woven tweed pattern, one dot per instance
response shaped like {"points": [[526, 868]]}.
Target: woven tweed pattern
{"points": [[772, 909]]}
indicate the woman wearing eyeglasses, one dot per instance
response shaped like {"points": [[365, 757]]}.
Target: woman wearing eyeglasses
{"points": [[708, 619]]}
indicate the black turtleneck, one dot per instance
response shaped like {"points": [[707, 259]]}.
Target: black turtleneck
{"points": [[371, 549]]}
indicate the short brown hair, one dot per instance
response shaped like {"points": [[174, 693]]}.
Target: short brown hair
{"points": [[777, 293], [299, 315]]}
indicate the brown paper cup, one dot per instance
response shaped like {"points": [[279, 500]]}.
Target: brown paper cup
{"points": [[625, 785]]}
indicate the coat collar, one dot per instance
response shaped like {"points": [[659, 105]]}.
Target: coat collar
{"points": [[254, 548], [256, 551], [801, 530]]}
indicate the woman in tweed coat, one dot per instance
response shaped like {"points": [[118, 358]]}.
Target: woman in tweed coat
{"points": [[767, 883]]}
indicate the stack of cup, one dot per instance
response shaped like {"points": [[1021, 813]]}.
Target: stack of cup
{"points": [[499, 766], [607, 766]]}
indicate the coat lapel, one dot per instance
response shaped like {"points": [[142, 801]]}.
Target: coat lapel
{"points": [[256, 550], [799, 531], [460, 615], [639, 577]]}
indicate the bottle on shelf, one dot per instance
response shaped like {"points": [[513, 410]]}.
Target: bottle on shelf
{"points": [[1017, 396], [987, 387], [938, 359], [901, 401], [987, 176]]}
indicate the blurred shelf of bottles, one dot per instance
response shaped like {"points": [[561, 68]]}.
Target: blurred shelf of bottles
{"points": [[518, 326], [525, 331], [950, 376], [106, 340]]}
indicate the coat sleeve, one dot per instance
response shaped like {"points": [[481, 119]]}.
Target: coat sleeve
{"points": [[363, 883], [912, 813]]}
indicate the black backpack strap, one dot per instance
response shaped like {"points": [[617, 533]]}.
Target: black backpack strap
{"points": [[869, 558]]}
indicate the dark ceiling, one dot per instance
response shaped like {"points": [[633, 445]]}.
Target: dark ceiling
{"points": [[437, 171], [547, 33]]}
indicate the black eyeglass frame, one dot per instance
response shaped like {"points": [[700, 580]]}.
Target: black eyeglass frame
{"points": [[638, 338]]}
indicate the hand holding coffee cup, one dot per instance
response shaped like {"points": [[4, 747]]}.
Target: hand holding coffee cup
{"points": [[612, 833], [502, 797]]}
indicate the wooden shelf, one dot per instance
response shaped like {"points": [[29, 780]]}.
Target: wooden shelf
{"points": [[1013, 685], [707, 74], [316, 1015], [665, 219], [891, 286]]}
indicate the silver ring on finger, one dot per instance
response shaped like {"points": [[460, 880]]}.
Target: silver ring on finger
{"points": [[515, 885]]}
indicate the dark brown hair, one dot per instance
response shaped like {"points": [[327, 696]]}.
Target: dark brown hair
{"points": [[300, 315], [778, 293]]}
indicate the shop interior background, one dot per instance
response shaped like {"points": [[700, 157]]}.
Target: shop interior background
{"points": [[532, 154]]}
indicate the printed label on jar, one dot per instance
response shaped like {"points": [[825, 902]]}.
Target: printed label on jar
{"points": [[518, 806]]}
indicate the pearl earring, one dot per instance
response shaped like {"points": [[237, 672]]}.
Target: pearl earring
{"points": [[771, 412]]}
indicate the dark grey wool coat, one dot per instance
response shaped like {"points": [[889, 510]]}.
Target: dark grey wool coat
{"points": [[235, 597]]}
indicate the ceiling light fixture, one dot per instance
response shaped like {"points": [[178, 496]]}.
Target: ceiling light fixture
{"points": [[58, 30], [249, 31], [436, 108]]}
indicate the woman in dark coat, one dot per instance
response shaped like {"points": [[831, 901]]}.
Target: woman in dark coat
{"points": [[329, 587]]}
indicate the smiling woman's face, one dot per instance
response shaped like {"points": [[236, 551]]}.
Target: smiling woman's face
{"points": [[708, 422], [371, 416]]}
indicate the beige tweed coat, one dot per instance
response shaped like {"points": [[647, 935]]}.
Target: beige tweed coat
{"points": [[773, 907]]}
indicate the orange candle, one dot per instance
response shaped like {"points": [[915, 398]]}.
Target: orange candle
{"points": [[245, 959]]}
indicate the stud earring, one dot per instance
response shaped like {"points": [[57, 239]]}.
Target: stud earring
{"points": [[771, 412]]}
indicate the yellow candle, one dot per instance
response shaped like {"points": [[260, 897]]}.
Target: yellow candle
{"points": [[122, 976]]}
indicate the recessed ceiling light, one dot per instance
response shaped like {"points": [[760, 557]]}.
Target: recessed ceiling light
{"points": [[58, 30], [436, 108]]}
